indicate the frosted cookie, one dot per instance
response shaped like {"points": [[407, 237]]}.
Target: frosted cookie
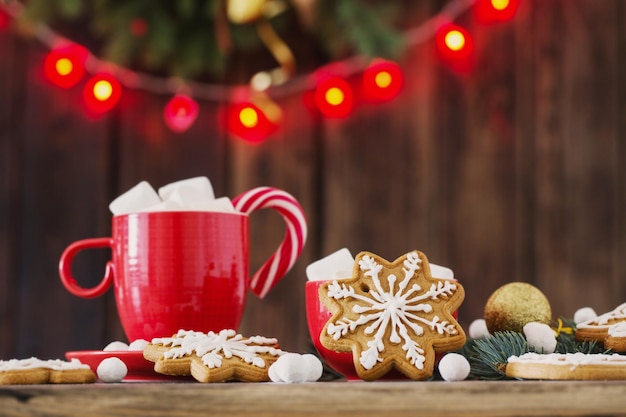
{"points": [[214, 357], [37, 371], [598, 329], [567, 366], [616, 337], [392, 315]]}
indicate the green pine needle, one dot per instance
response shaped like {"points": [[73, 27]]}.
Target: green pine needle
{"points": [[488, 357]]}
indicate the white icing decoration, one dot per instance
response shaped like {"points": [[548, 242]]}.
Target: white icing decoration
{"points": [[617, 330], [603, 320], [213, 348], [397, 309], [34, 363], [570, 359]]}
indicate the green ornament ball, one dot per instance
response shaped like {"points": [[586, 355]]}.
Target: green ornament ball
{"points": [[514, 305]]}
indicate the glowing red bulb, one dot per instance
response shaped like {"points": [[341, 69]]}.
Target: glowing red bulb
{"points": [[455, 45], [180, 112], [101, 93], [250, 123], [492, 11], [382, 81], [334, 98], [64, 66]]}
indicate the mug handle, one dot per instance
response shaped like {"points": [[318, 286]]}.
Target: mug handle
{"points": [[65, 267], [281, 261]]}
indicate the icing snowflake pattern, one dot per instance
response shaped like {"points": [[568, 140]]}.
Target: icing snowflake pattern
{"points": [[213, 348], [396, 306]]}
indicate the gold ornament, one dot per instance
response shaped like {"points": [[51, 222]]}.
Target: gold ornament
{"points": [[244, 11], [514, 305], [259, 12]]}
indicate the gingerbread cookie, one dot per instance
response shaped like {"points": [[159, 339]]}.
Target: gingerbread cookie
{"points": [[37, 371], [567, 366], [608, 328], [214, 357], [616, 337], [392, 315]]}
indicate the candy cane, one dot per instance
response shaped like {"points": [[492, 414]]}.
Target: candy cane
{"points": [[295, 234]]}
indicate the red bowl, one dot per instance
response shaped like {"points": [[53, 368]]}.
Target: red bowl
{"points": [[317, 315]]}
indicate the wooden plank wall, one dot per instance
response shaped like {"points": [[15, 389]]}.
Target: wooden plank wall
{"points": [[513, 172]]}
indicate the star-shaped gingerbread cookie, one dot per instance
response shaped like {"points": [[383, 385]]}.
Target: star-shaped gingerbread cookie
{"points": [[392, 315], [214, 357]]}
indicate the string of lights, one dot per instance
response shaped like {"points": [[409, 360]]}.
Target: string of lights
{"points": [[253, 114]]}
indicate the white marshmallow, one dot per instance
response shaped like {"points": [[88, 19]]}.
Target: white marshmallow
{"points": [[584, 314], [540, 337], [188, 192], [115, 346], [293, 368], [442, 272], [163, 206], [112, 370], [138, 198], [337, 265], [222, 204], [478, 329], [138, 344], [454, 367]]}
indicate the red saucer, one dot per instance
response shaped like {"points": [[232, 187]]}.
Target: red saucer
{"points": [[139, 369]]}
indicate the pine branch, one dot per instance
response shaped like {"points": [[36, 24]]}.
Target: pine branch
{"points": [[488, 357]]}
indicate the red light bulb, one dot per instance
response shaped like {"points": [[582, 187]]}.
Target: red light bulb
{"points": [[249, 122], [333, 98], [493, 11], [455, 45], [64, 66], [101, 93], [180, 113], [382, 81]]}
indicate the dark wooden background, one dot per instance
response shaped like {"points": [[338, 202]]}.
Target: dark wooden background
{"points": [[513, 172]]}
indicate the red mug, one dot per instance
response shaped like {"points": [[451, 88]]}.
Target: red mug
{"points": [[176, 270]]}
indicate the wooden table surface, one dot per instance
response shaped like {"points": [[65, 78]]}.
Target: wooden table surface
{"points": [[467, 398]]}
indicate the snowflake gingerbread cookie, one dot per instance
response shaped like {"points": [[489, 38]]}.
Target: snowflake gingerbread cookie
{"points": [[392, 315], [38, 371], [608, 328], [214, 357]]}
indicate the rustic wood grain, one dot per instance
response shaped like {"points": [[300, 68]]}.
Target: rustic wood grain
{"points": [[328, 399], [11, 160], [62, 197], [576, 154]]}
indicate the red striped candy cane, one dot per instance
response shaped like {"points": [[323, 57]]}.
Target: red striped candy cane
{"points": [[277, 266]]}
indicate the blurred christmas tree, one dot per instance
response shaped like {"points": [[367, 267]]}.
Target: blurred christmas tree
{"points": [[201, 39]]}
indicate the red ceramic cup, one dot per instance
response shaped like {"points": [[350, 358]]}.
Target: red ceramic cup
{"points": [[317, 315], [186, 269]]}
